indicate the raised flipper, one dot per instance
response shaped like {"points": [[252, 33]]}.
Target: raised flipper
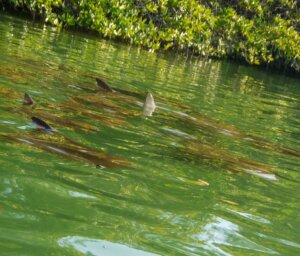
{"points": [[28, 99], [104, 85], [41, 124], [149, 105]]}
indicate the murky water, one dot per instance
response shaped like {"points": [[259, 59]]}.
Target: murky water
{"points": [[213, 171]]}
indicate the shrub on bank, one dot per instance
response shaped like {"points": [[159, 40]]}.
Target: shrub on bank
{"points": [[262, 32]]}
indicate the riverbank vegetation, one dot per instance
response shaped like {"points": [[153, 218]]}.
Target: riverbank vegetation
{"points": [[260, 32]]}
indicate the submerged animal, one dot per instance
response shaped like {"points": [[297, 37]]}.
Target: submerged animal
{"points": [[170, 110], [113, 109], [103, 85], [57, 143]]}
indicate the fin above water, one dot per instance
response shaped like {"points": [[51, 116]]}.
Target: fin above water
{"points": [[104, 85], [41, 124], [27, 99], [149, 105]]}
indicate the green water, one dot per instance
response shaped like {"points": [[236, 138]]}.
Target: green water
{"points": [[214, 171]]}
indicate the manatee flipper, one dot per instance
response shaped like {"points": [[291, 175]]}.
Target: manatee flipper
{"points": [[149, 105], [41, 124], [28, 99], [104, 85]]}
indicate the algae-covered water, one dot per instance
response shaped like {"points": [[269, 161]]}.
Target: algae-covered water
{"points": [[213, 171]]}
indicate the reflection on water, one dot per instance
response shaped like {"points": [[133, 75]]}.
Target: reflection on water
{"points": [[206, 166], [97, 247], [223, 232]]}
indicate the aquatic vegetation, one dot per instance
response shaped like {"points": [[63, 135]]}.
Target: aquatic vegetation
{"points": [[256, 32]]}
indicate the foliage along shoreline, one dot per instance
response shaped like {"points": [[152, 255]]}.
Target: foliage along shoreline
{"points": [[257, 32]]}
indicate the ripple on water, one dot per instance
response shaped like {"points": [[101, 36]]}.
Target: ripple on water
{"points": [[98, 247]]}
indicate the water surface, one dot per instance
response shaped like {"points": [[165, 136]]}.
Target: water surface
{"points": [[214, 171]]}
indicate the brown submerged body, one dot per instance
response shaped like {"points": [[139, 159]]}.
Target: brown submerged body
{"points": [[58, 144], [47, 139], [107, 106]]}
